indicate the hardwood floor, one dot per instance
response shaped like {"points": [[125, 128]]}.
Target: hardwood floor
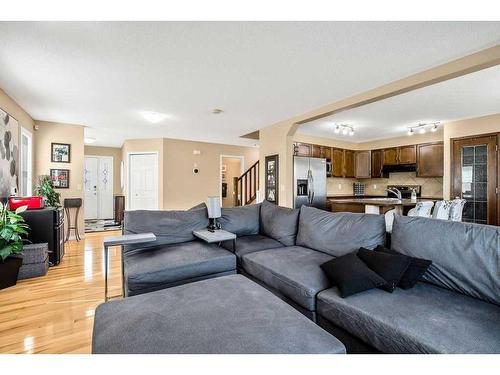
{"points": [[55, 313]]}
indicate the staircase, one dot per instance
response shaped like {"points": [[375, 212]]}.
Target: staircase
{"points": [[246, 186]]}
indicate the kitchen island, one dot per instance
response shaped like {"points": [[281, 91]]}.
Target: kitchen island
{"points": [[373, 205]]}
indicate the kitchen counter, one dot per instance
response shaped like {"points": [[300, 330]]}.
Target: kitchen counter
{"points": [[374, 205], [379, 201]]}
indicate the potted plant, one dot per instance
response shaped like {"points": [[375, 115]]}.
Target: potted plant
{"points": [[45, 189], [12, 230]]}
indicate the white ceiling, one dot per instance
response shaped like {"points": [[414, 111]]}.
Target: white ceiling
{"points": [[102, 74], [473, 95]]}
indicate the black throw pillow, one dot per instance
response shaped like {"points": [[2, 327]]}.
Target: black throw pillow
{"points": [[390, 267], [351, 275], [415, 271]]}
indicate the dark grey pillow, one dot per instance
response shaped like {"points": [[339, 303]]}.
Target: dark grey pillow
{"points": [[168, 226], [242, 221], [339, 233], [279, 223]]}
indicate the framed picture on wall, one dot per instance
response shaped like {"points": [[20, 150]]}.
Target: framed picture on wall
{"points": [[60, 177], [60, 152], [272, 177]]}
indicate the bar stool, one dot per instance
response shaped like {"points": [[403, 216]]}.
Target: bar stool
{"points": [[68, 204]]}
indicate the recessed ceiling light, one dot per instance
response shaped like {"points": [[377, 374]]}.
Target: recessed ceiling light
{"points": [[89, 140], [217, 111], [154, 117]]}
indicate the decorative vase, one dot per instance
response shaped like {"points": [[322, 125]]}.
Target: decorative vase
{"points": [[9, 270]]}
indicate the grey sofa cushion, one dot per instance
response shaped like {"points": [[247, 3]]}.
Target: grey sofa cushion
{"points": [[465, 257], [293, 271], [251, 244], [168, 226], [341, 233], [155, 268], [424, 319], [242, 221], [279, 223], [225, 315]]}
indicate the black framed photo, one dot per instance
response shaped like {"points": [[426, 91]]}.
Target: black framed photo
{"points": [[60, 178], [272, 179], [60, 153]]}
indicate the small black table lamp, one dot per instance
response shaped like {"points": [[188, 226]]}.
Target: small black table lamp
{"points": [[214, 212]]}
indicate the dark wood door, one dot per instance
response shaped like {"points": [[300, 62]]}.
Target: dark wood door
{"points": [[430, 159], [407, 155], [302, 149], [390, 156], [377, 163], [474, 177], [337, 162], [349, 164]]}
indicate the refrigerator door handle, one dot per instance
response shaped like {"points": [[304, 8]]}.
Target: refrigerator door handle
{"points": [[310, 186]]}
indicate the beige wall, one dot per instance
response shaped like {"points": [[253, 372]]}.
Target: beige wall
{"points": [[233, 169], [116, 154], [49, 132], [464, 128], [183, 189]]}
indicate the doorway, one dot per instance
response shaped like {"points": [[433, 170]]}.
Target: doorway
{"points": [[26, 163], [474, 177], [98, 182], [231, 167], [143, 181]]}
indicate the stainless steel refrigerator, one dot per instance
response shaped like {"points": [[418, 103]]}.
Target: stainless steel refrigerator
{"points": [[309, 181]]}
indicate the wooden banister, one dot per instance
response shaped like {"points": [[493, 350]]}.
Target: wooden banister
{"points": [[247, 185]]}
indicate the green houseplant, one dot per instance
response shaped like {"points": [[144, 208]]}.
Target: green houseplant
{"points": [[45, 188], [12, 230]]}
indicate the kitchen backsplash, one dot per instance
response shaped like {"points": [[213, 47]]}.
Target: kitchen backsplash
{"points": [[432, 187]]}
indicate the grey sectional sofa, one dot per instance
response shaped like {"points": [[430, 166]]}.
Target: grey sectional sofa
{"points": [[456, 309]]}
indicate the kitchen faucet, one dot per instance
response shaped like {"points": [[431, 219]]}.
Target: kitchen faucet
{"points": [[396, 192]]}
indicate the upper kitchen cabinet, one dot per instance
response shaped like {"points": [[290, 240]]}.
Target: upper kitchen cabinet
{"points": [[363, 164], [302, 149], [430, 159], [321, 152], [337, 162], [377, 164], [407, 154], [390, 156], [400, 155], [349, 170]]}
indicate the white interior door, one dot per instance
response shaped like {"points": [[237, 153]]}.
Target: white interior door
{"points": [[91, 181], [105, 187], [26, 162], [143, 181]]}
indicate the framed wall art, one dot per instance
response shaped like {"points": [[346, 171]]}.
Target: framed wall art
{"points": [[9, 154], [60, 153], [272, 179], [60, 177]]}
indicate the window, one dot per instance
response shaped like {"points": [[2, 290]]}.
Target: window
{"points": [[26, 174]]}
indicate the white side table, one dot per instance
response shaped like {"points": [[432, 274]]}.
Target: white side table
{"points": [[125, 239], [217, 235]]}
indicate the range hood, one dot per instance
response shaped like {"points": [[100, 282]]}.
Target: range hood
{"points": [[398, 168]]}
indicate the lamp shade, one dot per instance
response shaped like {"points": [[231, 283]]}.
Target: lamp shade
{"points": [[213, 207]]}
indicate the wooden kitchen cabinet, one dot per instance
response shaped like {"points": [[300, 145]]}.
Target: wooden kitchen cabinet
{"points": [[316, 151], [407, 154], [349, 171], [430, 159], [377, 163], [337, 162], [362, 164], [326, 152], [390, 156], [302, 149]]}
